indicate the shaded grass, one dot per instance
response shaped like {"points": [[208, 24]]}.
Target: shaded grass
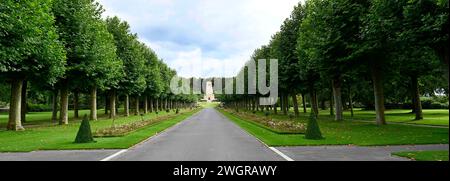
{"points": [[62, 137], [44, 118], [424, 155], [439, 117], [347, 133]]}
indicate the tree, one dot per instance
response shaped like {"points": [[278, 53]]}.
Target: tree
{"points": [[426, 24], [379, 28], [29, 47], [334, 27], [306, 55], [152, 76], [285, 51], [128, 51], [91, 52]]}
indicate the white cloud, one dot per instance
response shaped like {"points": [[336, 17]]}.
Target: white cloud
{"points": [[215, 37]]}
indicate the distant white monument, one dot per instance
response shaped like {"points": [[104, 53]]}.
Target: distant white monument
{"points": [[209, 93]]}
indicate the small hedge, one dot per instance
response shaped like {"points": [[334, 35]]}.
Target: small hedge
{"points": [[84, 134], [313, 130], [39, 107]]}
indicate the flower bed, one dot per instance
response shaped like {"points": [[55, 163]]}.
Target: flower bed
{"points": [[278, 126], [122, 130]]}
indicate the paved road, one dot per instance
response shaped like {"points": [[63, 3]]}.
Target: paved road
{"points": [[353, 153], [206, 136]]}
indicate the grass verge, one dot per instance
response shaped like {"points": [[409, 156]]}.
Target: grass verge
{"points": [[62, 137], [348, 133], [424, 155]]}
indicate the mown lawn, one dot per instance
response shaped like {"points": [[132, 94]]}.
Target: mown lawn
{"points": [[346, 133], [208, 104], [438, 117], [56, 137], [424, 155], [44, 118]]}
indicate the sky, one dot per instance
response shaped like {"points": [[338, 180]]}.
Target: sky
{"points": [[203, 38]]}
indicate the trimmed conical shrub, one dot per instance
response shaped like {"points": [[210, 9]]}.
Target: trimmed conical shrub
{"points": [[313, 130], [84, 134]]}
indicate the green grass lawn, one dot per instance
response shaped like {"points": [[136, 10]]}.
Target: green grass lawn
{"points": [[438, 117], [208, 104], [347, 133], [56, 137], [43, 118], [424, 155]]}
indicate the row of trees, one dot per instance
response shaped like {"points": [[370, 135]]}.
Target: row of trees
{"points": [[66, 47], [339, 51]]}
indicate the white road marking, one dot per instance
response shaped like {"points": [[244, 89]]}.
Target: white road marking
{"points": [[281, 154], [114, 155]]}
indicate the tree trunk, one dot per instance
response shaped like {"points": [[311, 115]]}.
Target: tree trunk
{"points": [[285, 105], [256, 103], [156, 105], [417, 103], [331, 105], [112, 104], [378, 95], [106, 103], [14, 122], [117, 99], [151, 105], [322, 104], [64, 102], [55, 106], [313, 99], [127, 105], [294, 100], [145, 104], [166, 104], [304, 103], [23, 103], [350, 101], [337, 94], [136, 112], [288, 105], [93, 114], [75, 103]]}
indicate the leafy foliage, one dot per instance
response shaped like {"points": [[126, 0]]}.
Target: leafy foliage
{"points": [[29, 45]]}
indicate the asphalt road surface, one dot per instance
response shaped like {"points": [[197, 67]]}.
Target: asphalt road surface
{"points": [[206, 136]]}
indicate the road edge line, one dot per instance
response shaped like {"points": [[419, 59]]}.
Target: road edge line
{"points": [[278, 152], [114, 155], [131, 147], [281, 154]]}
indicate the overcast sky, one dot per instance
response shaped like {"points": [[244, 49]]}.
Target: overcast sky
{"points": [[203, 38]]}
